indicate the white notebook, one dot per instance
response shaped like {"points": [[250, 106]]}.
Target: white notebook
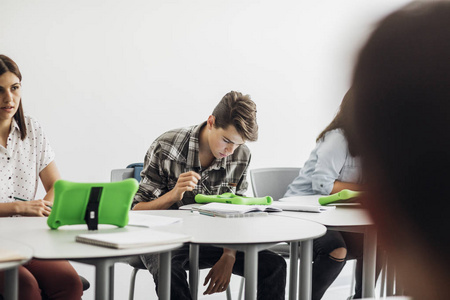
{"points": [[132, 239], [227, 210], [293, 206]]}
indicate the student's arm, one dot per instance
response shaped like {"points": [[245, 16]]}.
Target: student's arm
{"points": [[339, 186], [49, 176], [331, 155], [35, 208], [186, 182], [242, 184], [220, 274]]}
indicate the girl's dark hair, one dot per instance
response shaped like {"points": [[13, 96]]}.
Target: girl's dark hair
{"points": [[342, 116], [8, 65]]}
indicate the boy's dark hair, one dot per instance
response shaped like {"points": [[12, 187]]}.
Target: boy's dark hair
{"points": [[239, 111], [8, 65]]}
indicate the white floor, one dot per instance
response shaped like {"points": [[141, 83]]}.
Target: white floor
{"points": [[145, 288]]}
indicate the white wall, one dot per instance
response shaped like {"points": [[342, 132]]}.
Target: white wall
{"points": [[106, 77]]}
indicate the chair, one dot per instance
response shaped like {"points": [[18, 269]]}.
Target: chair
{"points": [[131, 171], [134, 171], [274, 182]]}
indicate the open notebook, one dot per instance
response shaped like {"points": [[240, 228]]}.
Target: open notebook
{"points": [[227, 210], [132, 239]]}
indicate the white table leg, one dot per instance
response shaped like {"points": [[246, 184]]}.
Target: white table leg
{"points": [[111, 282], [251, 272], [306, 254], [369, 262], [193, 270], [102, 272], [293, 270], [11, 283], [165, 266]]}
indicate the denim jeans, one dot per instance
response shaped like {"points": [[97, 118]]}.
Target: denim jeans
{"points": [[326, 269], [271, 271]]}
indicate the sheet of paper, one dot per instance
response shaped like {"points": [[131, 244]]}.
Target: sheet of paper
{"points": [[308, 199], [150, 221], [314, 200], [293, 206]]}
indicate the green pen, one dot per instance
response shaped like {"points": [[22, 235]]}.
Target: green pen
{"points": [[21, 199]]}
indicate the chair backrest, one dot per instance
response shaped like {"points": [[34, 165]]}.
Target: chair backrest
{"points": [[137, 167], [272, 181], [121, 174], [131, 171]]}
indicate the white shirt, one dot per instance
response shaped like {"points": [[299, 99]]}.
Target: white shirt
{"points": [[22, 161], [329, 161]]}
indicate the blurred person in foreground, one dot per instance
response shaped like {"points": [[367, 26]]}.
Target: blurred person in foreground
{"points": [[400, 126]]}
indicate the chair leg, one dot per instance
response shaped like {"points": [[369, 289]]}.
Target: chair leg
{"points": [[132, 283], [390, 278], [383, 275], [352, 284], [228, 293], [241, 288]]}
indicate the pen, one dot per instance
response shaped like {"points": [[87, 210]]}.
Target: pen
{"points": [[21, 199]]}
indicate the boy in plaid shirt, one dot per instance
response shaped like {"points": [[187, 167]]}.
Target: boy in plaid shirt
{"points": [[209, 158]]}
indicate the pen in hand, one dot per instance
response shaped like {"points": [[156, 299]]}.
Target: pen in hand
{"points": [[21, 199]]}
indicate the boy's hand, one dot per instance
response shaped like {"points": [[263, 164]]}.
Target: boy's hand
{"points": [[186, 182], [220, 274]]}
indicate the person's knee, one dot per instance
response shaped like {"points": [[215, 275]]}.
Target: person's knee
{"points": [[338, 254], [29, 288], [70, 284]]}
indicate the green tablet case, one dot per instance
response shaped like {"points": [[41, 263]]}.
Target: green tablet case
{"points": [[233, 199], [342, 196], [92, 203]]}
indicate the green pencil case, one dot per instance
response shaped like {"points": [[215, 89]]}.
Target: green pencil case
{"points": [[342, 196], [92, 203], [233, 199]]}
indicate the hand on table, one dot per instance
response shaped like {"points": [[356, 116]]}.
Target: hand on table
{"points": [[40, 208]]}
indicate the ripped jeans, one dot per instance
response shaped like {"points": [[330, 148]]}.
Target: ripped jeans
{"points": [[326, 268]]}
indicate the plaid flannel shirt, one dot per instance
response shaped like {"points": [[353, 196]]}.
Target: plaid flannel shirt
{"points": [[176, 152]]}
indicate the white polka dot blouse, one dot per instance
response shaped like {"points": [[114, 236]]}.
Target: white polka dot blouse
{"points": [[22, 161]]}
